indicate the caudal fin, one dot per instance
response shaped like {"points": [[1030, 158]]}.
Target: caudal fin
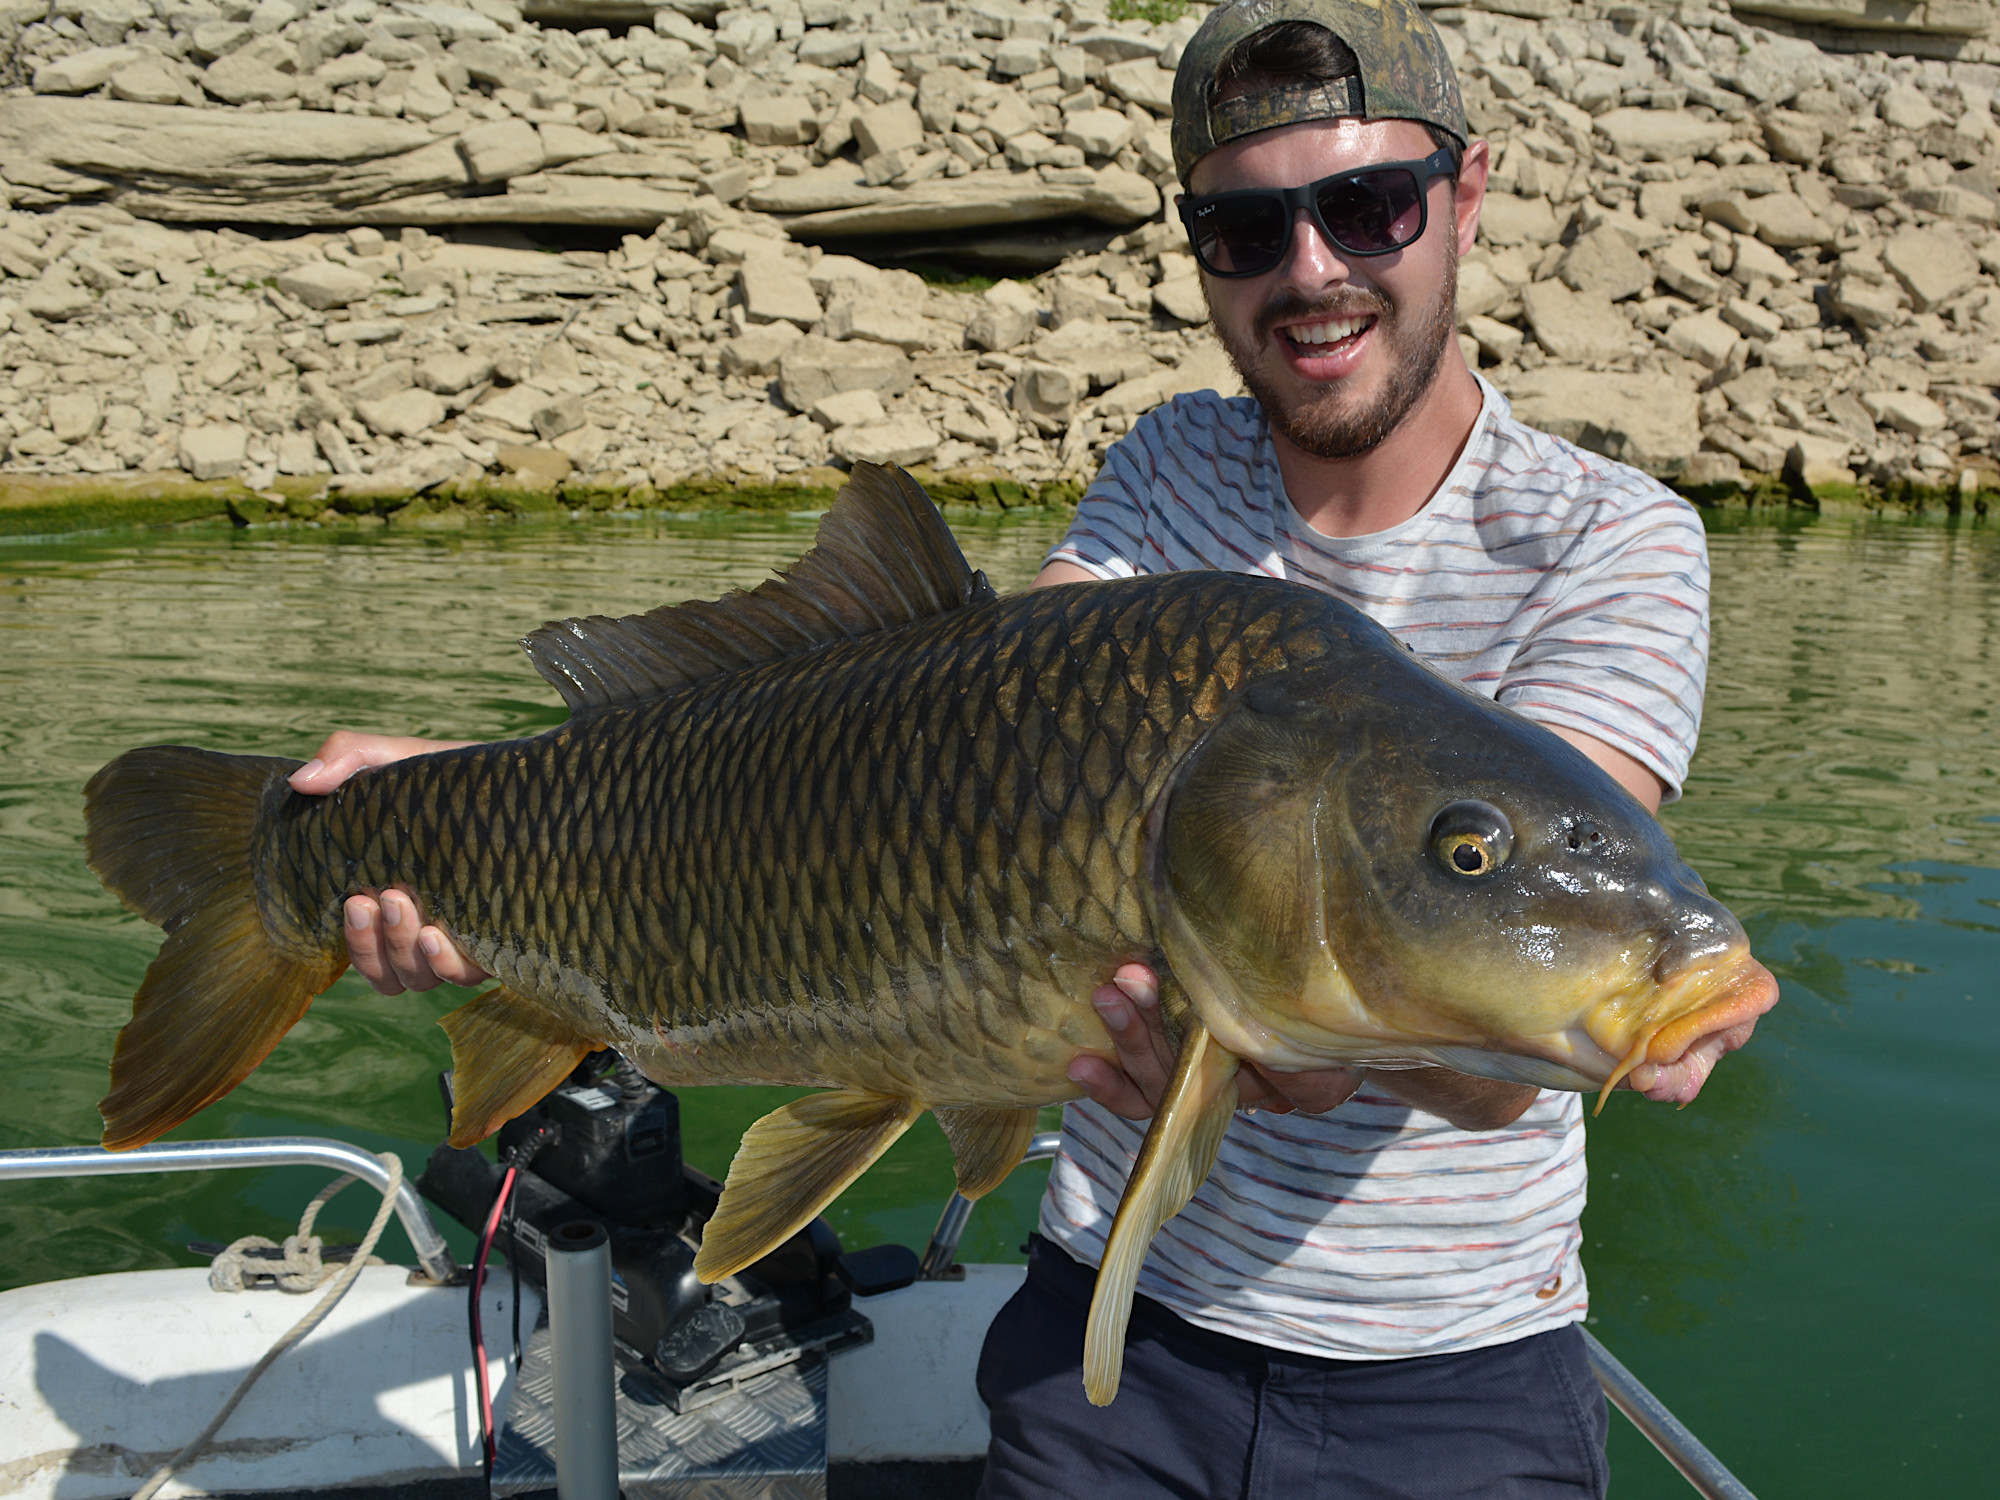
{"points": [[170, 831]]}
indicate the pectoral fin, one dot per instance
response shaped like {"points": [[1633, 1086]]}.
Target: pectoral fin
{"points": [[986, 1144], [1178, 1151], [792, 1163], [507, 1051]]}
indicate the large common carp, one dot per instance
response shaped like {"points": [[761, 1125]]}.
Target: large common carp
{"points": [[873, 828]]}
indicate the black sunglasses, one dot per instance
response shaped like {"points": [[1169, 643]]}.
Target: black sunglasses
{"points": [[1368, 211]]}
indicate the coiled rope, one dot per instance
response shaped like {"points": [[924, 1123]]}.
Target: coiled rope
{"points": [[301, 1270]]}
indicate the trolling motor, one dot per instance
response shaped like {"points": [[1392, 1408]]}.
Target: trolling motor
{"points": [[605, 1147]]}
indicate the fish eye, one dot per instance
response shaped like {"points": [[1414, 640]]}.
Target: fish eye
{"points": [[1471, 839]]}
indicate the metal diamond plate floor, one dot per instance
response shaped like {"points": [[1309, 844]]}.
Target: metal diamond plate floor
{"points": [[764, 1441]]}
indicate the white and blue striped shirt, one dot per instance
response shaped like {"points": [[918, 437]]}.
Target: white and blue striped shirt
{"points": [[1575, 591]]}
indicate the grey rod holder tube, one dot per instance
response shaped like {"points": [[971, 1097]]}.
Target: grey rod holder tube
{"points": [[263, 1151], [942, 1252], [579, 1266], [1662, 1428]]}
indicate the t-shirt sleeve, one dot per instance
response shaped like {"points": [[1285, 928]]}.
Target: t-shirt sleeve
{"points": [[1621, 651], [1108, 536]]}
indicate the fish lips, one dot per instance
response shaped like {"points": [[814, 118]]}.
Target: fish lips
{"points": [[1715, 995]]}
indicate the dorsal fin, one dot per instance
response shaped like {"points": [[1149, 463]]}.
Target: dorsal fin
{"points": [[882, 557]]}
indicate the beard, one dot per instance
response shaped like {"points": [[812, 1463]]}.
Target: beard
{"points": [[1329, 424]]}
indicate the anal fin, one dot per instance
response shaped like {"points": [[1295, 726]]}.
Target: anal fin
{"points": [[792, 1163], [507, 1051], [986, 1144], [1179, 1149]]}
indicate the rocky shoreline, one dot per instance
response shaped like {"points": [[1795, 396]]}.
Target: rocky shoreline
{"points": [[420, 260]]}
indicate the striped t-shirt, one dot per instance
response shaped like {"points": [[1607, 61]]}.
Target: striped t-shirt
{"points": [[1570, 588]]}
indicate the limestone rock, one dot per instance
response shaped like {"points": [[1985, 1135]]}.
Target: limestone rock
{"points": [[1182, 297], [56, 297], [1113, 196], [1007, 315], [1510, 220], [73, 416], [779, 120], [1047, 395], [1935, 266], [815, 366], [151, 81], [1906, 411], [887, 127], [448, 374], [1821, 464], [776, 290], [756, 351], [322, 284], [83, 71], [1603, 261], [847, 408], [838, 184], [213, 451], [173, 163], [1145, 83], [1659, 135], [1098, 132], [501, 149], [1578, 327], [901, 439], [401, 414], [882, 320], [1704, 338], [1650, 421]]}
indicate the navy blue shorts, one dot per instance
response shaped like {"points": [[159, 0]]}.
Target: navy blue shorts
{"points": [[1209, 1417]]}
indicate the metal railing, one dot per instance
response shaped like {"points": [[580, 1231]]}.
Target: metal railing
{"points": [[1647, 1412], [270, 1151]]}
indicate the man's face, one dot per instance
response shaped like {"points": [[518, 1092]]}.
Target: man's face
{"points": [[1338, 348]]}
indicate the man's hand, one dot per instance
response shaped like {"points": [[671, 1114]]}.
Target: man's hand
{"points": [[387, 940], [1129, 1006]]}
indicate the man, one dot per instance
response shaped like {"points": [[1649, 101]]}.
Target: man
{"points": [[1375, 1290]]}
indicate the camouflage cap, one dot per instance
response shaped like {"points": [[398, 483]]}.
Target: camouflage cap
{"points": [[1405, 74]]}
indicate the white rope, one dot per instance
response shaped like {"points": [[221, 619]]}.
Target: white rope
{"points": [[303, 1271]]}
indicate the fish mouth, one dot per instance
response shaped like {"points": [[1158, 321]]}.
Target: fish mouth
{"points": [[1722, 997]]}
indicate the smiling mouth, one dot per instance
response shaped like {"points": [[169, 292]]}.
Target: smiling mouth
{"points": [[1325, 336]]}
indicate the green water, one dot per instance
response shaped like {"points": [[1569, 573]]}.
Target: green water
{"points": [[1794, 1264]]}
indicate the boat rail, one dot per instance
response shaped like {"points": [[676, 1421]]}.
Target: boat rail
{"points": [[267, 1151], [1666, 1432]]}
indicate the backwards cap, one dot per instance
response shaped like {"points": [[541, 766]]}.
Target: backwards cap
{"points": [[1405, 74]]}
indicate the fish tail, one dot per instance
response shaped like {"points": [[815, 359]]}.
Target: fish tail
{"points": [[172, 832]]}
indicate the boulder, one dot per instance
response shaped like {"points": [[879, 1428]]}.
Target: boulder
{"points": [[1098, 132], [1820, 463], [74, 415], [1659, 135], [1935, 266], [887, 127], [847, 408], [775, 289], [151, 81], [1103, 353], [401, 414], [902, 439], [838, 184], [885, 321], [1510, 220], [1008, 314], [448, 374], [322, 284], [779, 120], [816, 366], [1182, 297], [756, 350], [1793, 137], [1047, 395], [1143, 82], [168, 162], [56, 297], [214, 450], [83, 71], [1113, 196], [1910, 412], [500, 149], [1576, 327], [1604, 262], [1704, 338], [1652, 422]]}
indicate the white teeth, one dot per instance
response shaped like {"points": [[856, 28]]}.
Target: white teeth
{"points": [[1326, 333]]}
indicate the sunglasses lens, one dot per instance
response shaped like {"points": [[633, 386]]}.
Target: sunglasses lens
{"points": [[1240, 236], [1374, 211]]}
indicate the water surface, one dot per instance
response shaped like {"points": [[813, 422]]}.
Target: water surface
{"points": [[1795, 1263]]}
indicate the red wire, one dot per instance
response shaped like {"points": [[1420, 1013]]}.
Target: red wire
{"points": [[487, 1436]]}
